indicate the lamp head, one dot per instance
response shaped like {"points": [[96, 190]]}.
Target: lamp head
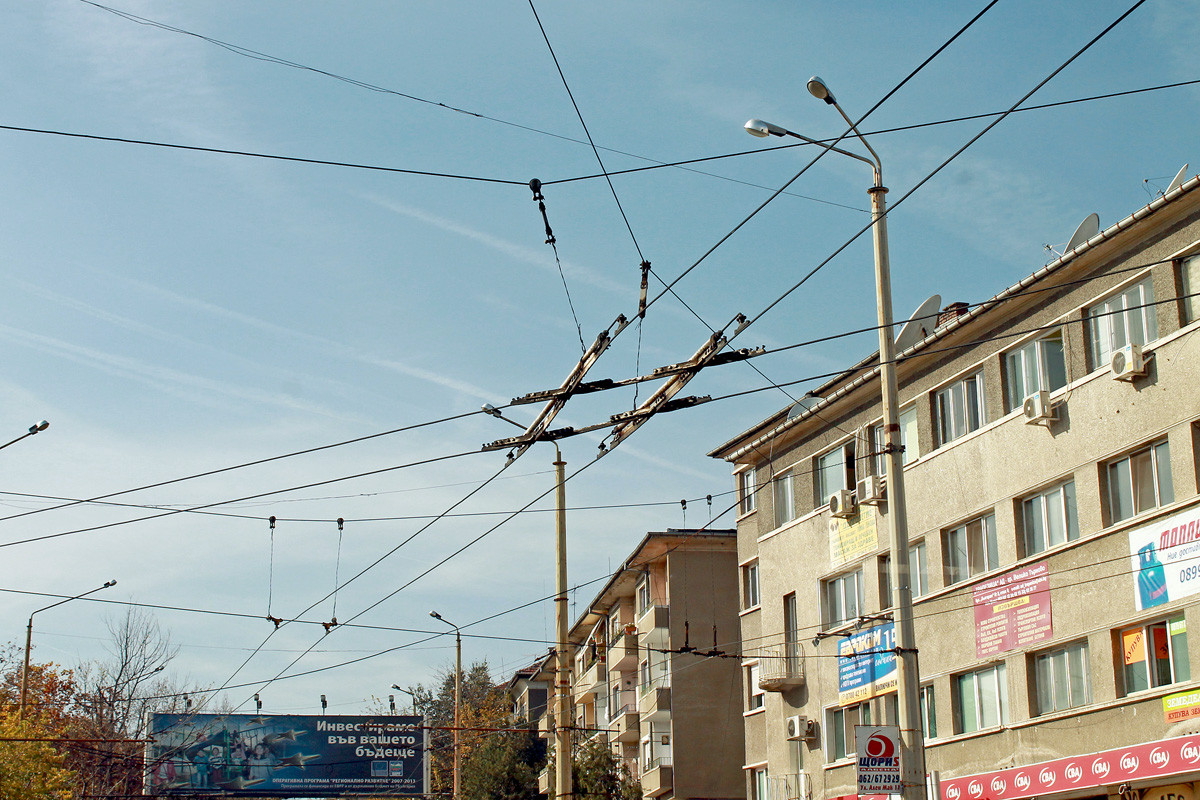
{"points": [[490, 409], [435, 615], [108, 584], [818, 89], [397, 687], [38, 427], [761, 129]]}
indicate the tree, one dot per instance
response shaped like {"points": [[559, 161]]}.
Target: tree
{"points": [[600, 775], [30, 769], [505, 767]]}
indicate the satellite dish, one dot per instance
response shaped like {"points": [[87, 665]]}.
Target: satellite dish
{"points": [[803, 404], [1086, 230], [920, 324], [1177, 180]]}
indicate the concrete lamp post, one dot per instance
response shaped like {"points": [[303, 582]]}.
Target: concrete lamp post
{"points": [[457, 691], [911, 732]]}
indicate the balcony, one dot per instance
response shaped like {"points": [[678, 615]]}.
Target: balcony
{"points": [[797, 786], [623, 654], [781, 669], [592, 680], [624, 724], [658, 779], [545, 726], [546, 781], [654, 618], [655, 704]]}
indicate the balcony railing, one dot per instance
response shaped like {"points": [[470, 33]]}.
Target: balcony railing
{"points": [[781, 668], [796, 786]]}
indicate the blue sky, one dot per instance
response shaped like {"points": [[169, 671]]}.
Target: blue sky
{"points": [[173, 312]]}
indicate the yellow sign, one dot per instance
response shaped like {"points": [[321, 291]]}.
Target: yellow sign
{"points": [[854, 537]]}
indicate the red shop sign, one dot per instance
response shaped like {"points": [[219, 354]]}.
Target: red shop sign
{"points": [[1135, 762]]}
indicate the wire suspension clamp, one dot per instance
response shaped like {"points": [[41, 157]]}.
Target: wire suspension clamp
{"points": [[536, 186]]}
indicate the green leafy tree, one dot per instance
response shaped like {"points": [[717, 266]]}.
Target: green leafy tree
{"points": [[600, 775], [31, 769], [505, 767]]}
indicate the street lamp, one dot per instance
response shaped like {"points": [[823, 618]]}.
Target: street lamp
{"points": [[400, 688], [29, 627], [912, 742], [37, 427], [457, 690]]}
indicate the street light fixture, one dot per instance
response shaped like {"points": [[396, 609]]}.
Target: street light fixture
{"points": [[35, 428], [400, 688], [29, 627], [457, 690], [911, 732]]}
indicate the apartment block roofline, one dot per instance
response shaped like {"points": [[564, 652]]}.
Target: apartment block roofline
{"points": [[663, 539], [837, 388]]}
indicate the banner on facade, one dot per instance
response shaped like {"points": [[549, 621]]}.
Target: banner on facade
{"points": [[285, 755], [1166, 558], [867, 664], [854, 537], [1013, 610], [878, 750]]}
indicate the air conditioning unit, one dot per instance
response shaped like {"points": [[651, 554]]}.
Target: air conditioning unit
{"points": [[1038, 409], [1127, 363], [800, 728], [870, 489], [841, 503]]}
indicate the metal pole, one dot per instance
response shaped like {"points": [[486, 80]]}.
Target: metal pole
{"points": [[562, 716], [912, 741], [457, 702]]}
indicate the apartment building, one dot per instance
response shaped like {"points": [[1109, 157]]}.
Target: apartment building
{"points": [[645, 679], [1051, 438]]}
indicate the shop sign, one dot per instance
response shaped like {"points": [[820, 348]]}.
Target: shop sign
{"points": [[1135, 762], [1013, 610], [878, 751], [1166, 559], [1176, 791], [1180, 706], [854, 537]]}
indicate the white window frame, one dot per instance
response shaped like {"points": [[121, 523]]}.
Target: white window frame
{"points": [[645, 596], [958, 408], [1125, 317], [751, 588], [1178, 663], [1061, 678], [1050, 518], [760, 784], [746, 481], [987, 712], [909, 440], [834, 598], [756, 698], [1038, 365], [928, 711], [1189, 268], [1128, 493], [783, 496], [834, 470], [918, 574], [981, 547], [840, 738]]}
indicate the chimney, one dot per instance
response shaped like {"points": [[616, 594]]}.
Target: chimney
{"points": [[951, 313]]}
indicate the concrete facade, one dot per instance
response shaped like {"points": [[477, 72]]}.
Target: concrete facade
{"points": [[669, 713], [998, 498]]}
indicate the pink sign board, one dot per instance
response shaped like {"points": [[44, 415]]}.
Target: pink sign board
{"points": [[1135, 762], [1013, 610]]}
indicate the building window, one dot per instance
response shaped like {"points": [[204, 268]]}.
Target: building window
{"points": [[1125, 318], [1155, 654], [835, 471], [1036, 366], [760, 785], [971, 549], [1140, 481], [908, 440], [1050, 518], [918, 574], [747, 485], [754, 694], [791, 635], [841, 722], [958, 408], [785, 503], [1190, 269], [928, 712], [750, 597], [982, 699], [843, 598], [643, 594], [644, 676], [1061, 678]]}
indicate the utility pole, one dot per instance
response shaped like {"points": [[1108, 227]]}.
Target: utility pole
{"points": [[562, 682]]}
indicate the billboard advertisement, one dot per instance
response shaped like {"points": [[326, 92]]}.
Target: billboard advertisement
{"points": [[867, 664], [256, 755], [1166, 558], [1013, 610]]}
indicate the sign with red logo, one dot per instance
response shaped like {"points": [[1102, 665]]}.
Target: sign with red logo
{"points": [[1013, 610], [1136, 762], [878, 759]]}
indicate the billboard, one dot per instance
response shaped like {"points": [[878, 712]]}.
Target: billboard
{"points": [[1166, 558], [867, 664], [1013, 610], [285, 755]]}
